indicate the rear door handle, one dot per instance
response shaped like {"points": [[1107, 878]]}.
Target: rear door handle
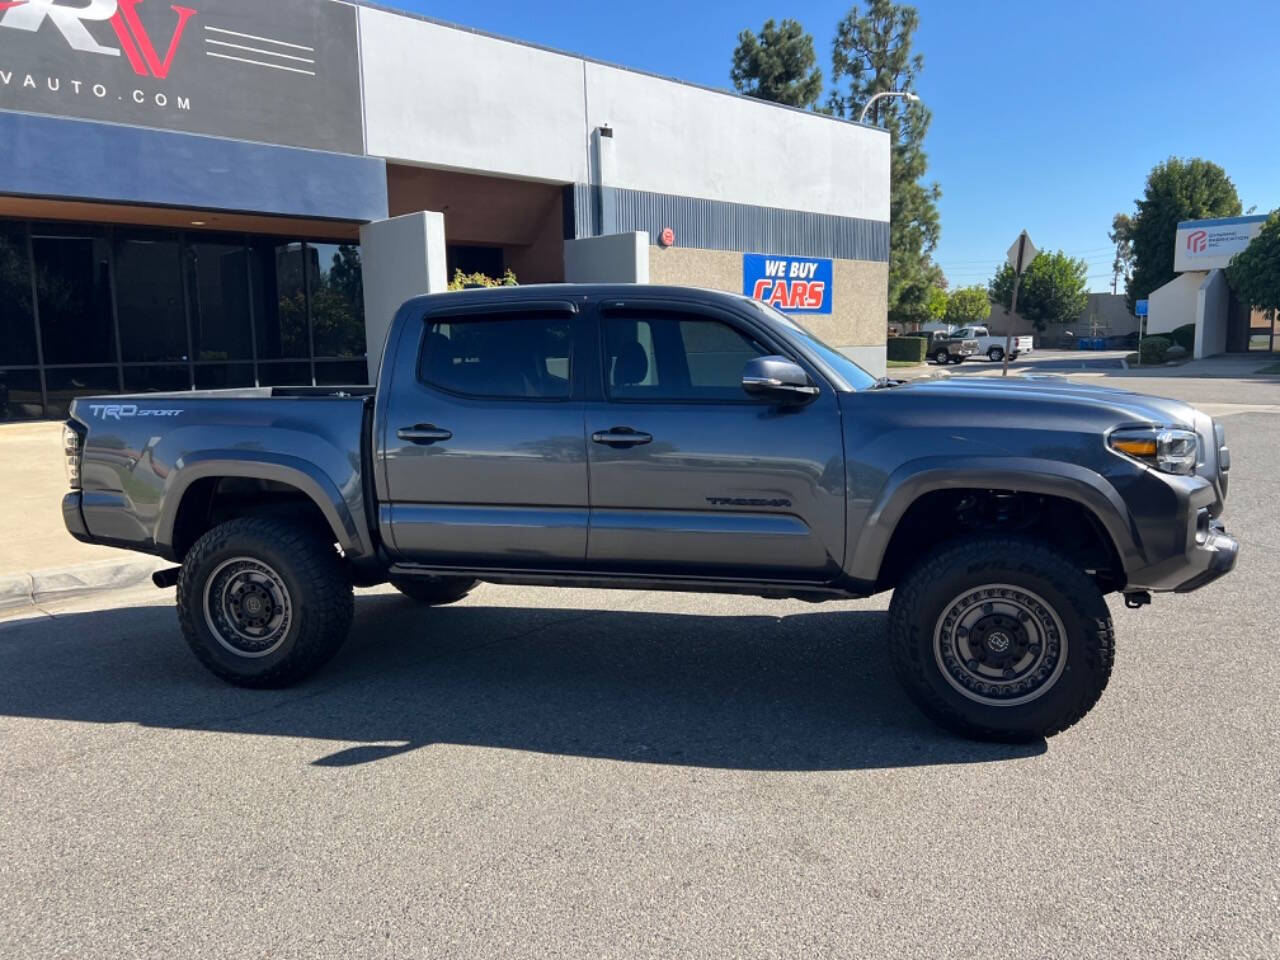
{"points": [[621, 437], [424, 433]]}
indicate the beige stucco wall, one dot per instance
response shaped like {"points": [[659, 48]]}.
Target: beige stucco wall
{"points": [[860, 300]]}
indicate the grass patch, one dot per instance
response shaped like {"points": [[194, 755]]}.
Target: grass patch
{"points": [[1270, 368], [904, 363]]}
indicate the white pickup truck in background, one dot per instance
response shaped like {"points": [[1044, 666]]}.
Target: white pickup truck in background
{"points": [[992, 345]]}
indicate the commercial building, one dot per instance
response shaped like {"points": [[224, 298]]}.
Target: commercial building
{"points": [[237, 192], [1200, 295]]}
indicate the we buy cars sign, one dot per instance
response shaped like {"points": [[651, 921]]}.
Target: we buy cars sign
{"points": [[792, 284]]}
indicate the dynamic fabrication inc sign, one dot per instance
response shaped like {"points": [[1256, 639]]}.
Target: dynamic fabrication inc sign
{"points": [[792, 284], [273, 71]]}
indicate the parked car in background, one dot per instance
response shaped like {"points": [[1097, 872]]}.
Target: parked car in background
{"points": [[993, 345], [947, 347]]}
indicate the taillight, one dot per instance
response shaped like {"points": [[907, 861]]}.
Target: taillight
{"points": [[72, 448]]}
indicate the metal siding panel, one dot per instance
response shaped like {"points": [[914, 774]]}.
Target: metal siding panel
{"points": [[81, 160], [718, 225]]}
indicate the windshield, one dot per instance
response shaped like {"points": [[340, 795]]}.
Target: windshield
{"points": [[849, 375]]}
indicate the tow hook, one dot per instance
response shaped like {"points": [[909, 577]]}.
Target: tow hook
{"points": [[1137, 599], [166, 578]]}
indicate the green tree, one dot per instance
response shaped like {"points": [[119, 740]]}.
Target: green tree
{"points": [[1176, 190], [1122, 236], [935, 304], [872, 54], [967, 306], [1254, 273], [1053, 289], [777, 64]]}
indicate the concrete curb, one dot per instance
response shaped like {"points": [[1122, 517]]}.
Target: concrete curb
{"points": [[46, 586]]}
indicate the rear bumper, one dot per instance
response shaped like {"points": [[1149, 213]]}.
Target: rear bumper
{"points": [[73, 518]]}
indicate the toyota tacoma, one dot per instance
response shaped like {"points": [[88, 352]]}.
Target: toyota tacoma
{"points": [[648, 437]]}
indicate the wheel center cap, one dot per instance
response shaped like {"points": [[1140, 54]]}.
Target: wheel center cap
{"points": [[998, 641], [253, 606]]}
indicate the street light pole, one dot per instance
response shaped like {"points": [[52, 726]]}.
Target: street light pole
{"points": [[905, 94]]}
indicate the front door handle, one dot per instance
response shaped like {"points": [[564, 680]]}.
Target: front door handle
{"points": [[423, 433], [621, 437]]}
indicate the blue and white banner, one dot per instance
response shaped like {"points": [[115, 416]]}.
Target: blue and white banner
{"points": [[792, 284]]}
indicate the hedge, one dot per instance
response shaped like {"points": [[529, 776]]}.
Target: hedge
{"points": [[909, 349], [1184, 336], [1153, 349]]}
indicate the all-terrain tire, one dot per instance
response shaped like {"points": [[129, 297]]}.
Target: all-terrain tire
{"points": [[435, 591], [287, 575], [941, 358], [984, 577], [996, 354]]}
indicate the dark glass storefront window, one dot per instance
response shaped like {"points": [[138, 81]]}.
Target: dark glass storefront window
{"points": [[280, 301], [19, 394], [156, 379], [17, 318], [337, 299], [64, 384], [218, 288], [153, 320], [218, 376], [152, 310], [73, 294], [284, 374]]}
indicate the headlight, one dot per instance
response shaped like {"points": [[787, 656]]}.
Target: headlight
{"points": [[1170, 450]]}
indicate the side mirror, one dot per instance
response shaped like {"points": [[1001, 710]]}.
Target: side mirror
{"points": [[778, 379]]}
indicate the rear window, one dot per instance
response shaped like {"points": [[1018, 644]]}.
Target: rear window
{"points": [[504, 355]]}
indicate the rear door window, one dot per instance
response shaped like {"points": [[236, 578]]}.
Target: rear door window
{"points": [[502, 355]]}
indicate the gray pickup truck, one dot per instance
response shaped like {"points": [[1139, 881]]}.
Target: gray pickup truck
{"points": [[671, 439]]}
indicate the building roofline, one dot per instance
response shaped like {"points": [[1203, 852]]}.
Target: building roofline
{"points": [[1223, 221], [411, 15]]}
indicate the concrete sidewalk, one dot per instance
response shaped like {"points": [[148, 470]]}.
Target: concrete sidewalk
{"points": [[39, 560]]}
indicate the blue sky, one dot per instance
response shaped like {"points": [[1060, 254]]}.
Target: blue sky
{"points": [[1047, 115]]}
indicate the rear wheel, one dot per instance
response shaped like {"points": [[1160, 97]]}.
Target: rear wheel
{"points": [[941, 357], [263, 603], [995, 354], [434, 590], [1001, 639]]}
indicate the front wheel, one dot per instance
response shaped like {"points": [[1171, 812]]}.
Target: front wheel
{"points": [[941, 357], [1001, 639], [263, 603]]}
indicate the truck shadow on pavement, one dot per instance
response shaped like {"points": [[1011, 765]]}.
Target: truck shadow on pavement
{"points": [[809, 691]]}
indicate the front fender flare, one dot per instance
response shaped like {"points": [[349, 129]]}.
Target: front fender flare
{"points": [[1023, 474], [254, 465]]}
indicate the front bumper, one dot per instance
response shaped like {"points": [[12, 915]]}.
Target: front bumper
{"points": [[1219, 551]]}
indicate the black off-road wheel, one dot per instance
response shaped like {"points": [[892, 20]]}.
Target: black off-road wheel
{"points": [[1000, 638], [435, 591], [263, 603]]}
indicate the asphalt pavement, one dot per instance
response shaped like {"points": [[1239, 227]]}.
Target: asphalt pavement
{"points": [[577, 773]]}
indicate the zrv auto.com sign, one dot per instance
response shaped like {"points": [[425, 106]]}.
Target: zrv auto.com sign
{"points": [[275, 71], [792, 284]]}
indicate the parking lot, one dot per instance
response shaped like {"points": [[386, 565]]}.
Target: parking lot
{"points": [[591, 774]]}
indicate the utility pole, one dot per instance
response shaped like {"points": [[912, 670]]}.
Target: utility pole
{"points": [[1020, 256]]}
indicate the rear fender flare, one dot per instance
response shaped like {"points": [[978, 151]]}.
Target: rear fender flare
{"points": [[304, 476]]}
